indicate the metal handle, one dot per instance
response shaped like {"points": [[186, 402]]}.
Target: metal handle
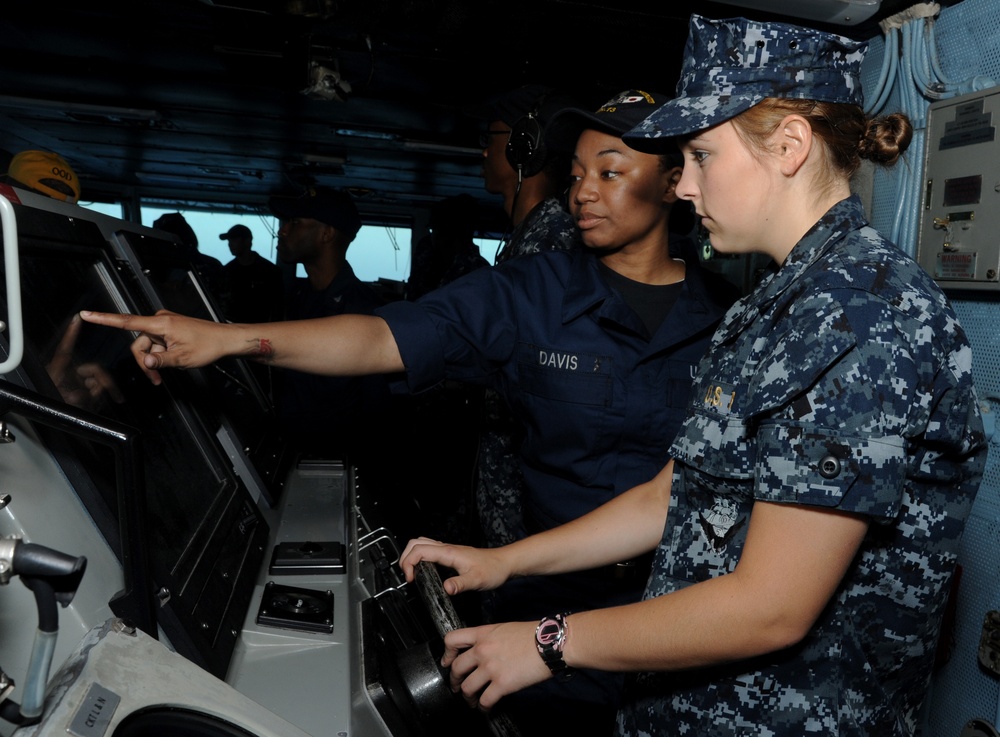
{"points": [[438, 603], [446, 619], [12, 269]]}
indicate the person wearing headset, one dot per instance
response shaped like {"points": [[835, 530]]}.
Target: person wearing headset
{"points": [[807, 527], [532, 178], [593, 350]]}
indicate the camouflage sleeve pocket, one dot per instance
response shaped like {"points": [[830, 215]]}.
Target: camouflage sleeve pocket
{"points": [[823, 467]]}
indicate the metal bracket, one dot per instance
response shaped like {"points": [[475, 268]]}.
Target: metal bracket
{"points": [[7, 547]]}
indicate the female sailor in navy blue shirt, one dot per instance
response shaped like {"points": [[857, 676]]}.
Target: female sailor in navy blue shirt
{"points": [[594, 350]]}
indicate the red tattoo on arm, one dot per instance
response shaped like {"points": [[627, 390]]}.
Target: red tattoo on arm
{"points": [[263, 349]]}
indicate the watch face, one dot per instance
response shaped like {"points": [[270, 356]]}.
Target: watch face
{"points": [[548, 632]]}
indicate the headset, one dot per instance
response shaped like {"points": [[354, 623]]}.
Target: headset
{"points": [[526, 150]]}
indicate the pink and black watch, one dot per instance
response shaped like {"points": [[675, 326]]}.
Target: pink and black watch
{"points": [[550, 639]]}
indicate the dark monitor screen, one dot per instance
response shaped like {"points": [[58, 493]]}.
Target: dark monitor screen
{"points": [[235, 389], [202, 525]]}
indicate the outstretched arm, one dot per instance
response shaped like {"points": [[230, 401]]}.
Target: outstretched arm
{"points": [[343, 345], [627, 526]]}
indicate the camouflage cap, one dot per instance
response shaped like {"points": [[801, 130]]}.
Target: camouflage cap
{"points": [[730, 65]]}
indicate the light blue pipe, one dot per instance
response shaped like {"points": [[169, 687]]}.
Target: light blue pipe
{"points": [[900, 184], [887, 74], [935, 61], [972, 83], [912, 54], [915, 106], [919, 62], [38, 673]]}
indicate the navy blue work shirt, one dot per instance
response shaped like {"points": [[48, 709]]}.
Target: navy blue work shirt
{"points": [[599, 399]]}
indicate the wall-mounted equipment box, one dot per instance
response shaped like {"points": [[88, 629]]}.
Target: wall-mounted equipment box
{"points": [[959, 239]]}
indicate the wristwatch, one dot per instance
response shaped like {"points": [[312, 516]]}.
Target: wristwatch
{"points": [[550, 639]]}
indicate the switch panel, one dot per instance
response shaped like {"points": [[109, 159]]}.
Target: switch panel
{"points": [[959, 239]]}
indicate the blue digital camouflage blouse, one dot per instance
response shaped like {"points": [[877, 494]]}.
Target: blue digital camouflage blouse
{"points": [[843, 382]]}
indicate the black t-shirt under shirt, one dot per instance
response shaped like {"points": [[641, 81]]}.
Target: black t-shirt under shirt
{"points": [[651, 302]]}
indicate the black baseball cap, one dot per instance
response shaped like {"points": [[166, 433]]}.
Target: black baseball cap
{"points": [[237, 231], [616, 117], [330, 206]]}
